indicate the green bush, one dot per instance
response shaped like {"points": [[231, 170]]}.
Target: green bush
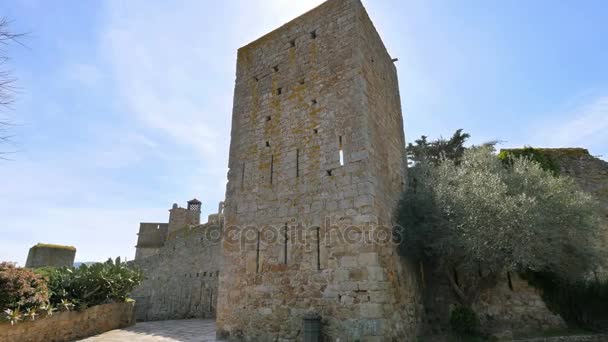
{"points": [[464, 321], [91, 285], [21, 288]]}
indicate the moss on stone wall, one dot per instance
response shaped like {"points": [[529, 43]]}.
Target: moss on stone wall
{"points": [[545, 157], [48, 245]]}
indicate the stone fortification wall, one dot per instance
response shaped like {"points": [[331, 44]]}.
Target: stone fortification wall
{"points": [[316, 167], [42, 255], [181, 280], [150, 238]]}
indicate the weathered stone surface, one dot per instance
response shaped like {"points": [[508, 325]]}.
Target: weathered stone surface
{"points": [[42, 255], [180, 280], [69, 326], [316, 167]]}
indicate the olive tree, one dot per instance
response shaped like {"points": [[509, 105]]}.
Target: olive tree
{"points": [[476, 217]]}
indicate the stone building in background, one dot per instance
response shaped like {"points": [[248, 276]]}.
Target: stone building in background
{"points": [[316, 167], [43, 254], [181, 262]]}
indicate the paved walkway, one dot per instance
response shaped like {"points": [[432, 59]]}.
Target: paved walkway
{"points": [[189, 330]]}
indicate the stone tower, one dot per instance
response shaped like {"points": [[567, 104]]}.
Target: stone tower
{"points": [[184, 217], [316, 167], [48, 255]]}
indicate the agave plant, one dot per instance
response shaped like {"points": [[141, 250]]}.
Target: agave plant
{"points": [[48, 309], [13, 316], [66, 305], [31, 313]]}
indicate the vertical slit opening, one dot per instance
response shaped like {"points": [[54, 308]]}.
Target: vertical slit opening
{"points": [[271, 167], [285, 239], [313, 34], [257, 255], [210, 301], [243, 177], [509, 280], [341, 151], [318, 248], [297, 163]]}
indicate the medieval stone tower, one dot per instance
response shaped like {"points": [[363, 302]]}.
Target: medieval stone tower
{"points": [[316, 169]]}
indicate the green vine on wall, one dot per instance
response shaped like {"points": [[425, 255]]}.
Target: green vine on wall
{"points": [[538, 155]]}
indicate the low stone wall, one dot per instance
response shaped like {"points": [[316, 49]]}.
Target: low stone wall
{"points": [[69, 326]]}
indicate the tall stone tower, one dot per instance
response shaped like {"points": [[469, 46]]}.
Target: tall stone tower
{"points": [[316, 167]]}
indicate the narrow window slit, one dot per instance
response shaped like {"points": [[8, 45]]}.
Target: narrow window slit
{"points": [[271, 167], [256, 79], [297, 163], [243, 177], [509, 280], [268, 118], [257, 255], [292, 43], [313, 34], [318, 248], [341, 151], [329, 172], [268, 144], [279, 91], [285, 239], [275, 68], [313, 102], [316, 131]]}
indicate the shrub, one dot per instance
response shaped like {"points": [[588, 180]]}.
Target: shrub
{"points": [[91, 285], [21, 288], [464, 321]]}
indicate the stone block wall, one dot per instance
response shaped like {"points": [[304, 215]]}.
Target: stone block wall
{"points": [[150, 238], [510, 306], [180, 218], [72, 325], [42, 255], [590, 173], [181, 280], [315, 170]]}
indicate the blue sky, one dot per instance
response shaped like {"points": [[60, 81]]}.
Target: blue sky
{"points": [[124, 106]]}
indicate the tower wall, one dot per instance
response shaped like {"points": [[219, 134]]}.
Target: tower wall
{"points": [[150, 238], [316, 168], [180, 218], [43, 255]]}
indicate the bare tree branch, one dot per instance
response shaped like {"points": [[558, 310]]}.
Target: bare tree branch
{"points": [[7, 81]]}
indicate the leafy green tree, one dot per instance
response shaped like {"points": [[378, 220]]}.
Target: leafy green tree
{"points": [[435, 151], [476, 217]]}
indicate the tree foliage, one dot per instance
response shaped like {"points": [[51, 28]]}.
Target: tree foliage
{"points": [[26, 293], [477, 217], [21, 287], [91, 285], [436, 150]]}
